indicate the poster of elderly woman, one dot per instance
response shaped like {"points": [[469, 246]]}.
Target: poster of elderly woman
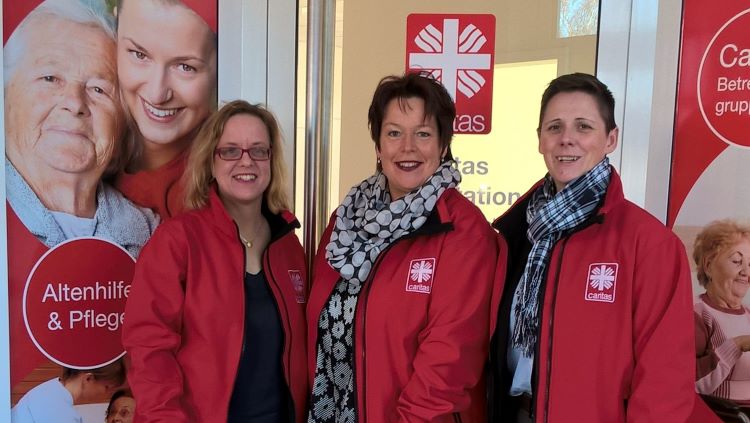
{"points": [[73, 125], [722, 322]]}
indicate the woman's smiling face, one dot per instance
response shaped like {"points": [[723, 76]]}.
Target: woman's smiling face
{"points": [[729, 272], [166, 61], [409, 146], [573, 136]]}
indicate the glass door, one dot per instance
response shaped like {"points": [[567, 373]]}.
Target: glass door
{"points": [[535, 41]]}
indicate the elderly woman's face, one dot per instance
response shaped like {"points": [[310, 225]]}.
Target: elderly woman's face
{"points": [[573, 137], [728, 273], [409, 147], [62, 108], [122, 410], [166, 58]]}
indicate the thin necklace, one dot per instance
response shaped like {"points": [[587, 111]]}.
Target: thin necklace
{"points": [[247, 242]]}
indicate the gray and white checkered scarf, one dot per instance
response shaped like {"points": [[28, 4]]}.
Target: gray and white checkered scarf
{"points": [[550, 216]]}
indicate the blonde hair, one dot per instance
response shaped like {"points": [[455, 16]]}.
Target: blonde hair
{"points": [[199, 172], [712, 239]]}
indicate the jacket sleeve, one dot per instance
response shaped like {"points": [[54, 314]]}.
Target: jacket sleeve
{"points": [[454, 343], [152, 329], [713, 365], [663, 379]]}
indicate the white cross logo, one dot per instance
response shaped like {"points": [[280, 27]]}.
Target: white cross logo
{"points": [[452, 58], [421, 271], [602, 277]]}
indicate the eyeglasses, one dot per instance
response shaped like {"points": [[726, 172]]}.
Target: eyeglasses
{"points": [[235, 153]]}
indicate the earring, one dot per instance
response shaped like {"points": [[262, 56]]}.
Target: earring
{"points": [[378, 160]]}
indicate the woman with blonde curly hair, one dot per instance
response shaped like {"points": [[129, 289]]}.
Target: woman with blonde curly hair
{"points": [[216, 326], [722, 321]]}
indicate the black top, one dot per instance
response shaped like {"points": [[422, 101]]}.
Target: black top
{"points": [[260, 392], [513, 227]]}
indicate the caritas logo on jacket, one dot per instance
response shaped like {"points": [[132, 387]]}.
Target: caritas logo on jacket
{"points": [[459, 51], [601, 284], [421, 274]]}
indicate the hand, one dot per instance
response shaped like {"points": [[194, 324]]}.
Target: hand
{"points": [[743, 342]]}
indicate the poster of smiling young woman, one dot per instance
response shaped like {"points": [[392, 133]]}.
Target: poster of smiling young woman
{"points": [[102, 100]]}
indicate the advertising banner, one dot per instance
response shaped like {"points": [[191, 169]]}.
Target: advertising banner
{"points": [[711, 147], [459, 51], [102, 101], [713, 112]]}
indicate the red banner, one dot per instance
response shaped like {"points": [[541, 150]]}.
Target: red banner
{"points": [[459, 51], [713, 110], [69, 302], [79, 90]]}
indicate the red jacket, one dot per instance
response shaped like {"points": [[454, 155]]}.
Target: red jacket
{"points": [[616, 341], [425, 343], [184, 323], [161, 190]]}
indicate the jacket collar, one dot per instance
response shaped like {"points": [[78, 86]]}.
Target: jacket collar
{"points": [[515, 216], [438, 220], [280, 223]]}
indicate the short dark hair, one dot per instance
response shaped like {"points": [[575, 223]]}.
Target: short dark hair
{"points": [[125, 392], [585, 83], [437, 103]]}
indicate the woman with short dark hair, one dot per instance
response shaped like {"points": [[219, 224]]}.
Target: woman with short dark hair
{"points": [[594, 322], [398, 319]]}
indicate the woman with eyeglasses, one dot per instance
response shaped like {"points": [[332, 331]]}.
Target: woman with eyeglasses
{"points": [[215, 319]]}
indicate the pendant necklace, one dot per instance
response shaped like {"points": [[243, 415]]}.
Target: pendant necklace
{"points": [[245, 241]]}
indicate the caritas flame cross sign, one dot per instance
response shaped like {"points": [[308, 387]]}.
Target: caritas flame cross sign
{"points": [[459, 51]]}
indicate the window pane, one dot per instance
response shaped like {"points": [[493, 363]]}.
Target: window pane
{"points": [[577, 17]]}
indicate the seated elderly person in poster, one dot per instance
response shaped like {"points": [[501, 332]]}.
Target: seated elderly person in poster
{"points": [[63, 123], [722, 322]]}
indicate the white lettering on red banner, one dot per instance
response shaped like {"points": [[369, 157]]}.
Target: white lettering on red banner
{"points": [[457, 50], [724, 82], [75, 299]]}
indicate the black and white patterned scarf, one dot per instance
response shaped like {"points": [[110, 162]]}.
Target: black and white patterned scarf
{"points": [[550, 216], [367, 222]]}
